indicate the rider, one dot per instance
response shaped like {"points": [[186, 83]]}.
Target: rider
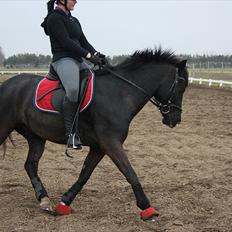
{"points": [[69, 45]]}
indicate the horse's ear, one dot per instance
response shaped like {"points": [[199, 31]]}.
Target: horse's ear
{"points": [[182, 64]]}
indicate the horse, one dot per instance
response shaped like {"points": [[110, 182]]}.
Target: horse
{"points": [[154, 75]]}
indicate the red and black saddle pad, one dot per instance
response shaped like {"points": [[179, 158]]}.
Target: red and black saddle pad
{"points": [[46, 89]]}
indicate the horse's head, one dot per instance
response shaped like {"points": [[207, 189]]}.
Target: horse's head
{"points": [[165, 78], [170, 94]]}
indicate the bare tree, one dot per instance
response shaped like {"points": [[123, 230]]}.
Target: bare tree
{"points": [[2, 57]]}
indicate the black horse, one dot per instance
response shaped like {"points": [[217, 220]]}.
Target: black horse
{"points": [[156, 75]]}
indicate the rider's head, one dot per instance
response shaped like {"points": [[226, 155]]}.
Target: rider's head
{"points": [[61, 2], [68, 4]]}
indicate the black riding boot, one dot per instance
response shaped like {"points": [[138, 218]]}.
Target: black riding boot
{"points": [[69, 112]]}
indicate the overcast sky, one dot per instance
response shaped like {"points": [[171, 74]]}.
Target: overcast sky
{"points": [[123, 26]]}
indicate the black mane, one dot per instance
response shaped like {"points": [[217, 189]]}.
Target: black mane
{"points": [[148, 55]]}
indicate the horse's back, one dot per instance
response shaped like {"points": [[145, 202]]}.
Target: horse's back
{"points": [[16, 92], [17, 85], [21, 79]]}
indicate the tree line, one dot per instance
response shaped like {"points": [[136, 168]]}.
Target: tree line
{"points": [[27, 60], [34, 60]]}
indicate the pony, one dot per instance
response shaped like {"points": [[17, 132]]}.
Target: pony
{"points": [[120, 93]]}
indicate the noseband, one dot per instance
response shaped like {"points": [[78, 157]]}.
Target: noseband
{"points": [[164, 108]]}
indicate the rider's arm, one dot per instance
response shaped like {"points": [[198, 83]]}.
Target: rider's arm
{"points": [[84, 42]]}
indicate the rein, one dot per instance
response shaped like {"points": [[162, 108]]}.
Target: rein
{"points": [[164, 108]]}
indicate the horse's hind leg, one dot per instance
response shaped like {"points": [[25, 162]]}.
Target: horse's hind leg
{"points": [[36, 149], [94, 156]]}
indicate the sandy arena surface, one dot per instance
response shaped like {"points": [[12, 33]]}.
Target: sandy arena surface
{"points": [[186, 173]]}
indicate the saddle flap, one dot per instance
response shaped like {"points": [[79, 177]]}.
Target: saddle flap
{"points": [[50, 93]]}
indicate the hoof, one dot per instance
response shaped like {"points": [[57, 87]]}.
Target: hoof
{"points": [[62, 209], [149, 214], [45, 205]]}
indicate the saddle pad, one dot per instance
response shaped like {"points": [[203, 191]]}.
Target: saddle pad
{"points": [[46, 88]]}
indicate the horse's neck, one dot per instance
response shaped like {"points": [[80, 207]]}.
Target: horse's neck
{"points": [[134, 98], [145, 79]]}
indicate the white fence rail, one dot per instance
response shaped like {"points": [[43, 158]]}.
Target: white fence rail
{"points": [[210, 82], [22, 71], [193, 80]]}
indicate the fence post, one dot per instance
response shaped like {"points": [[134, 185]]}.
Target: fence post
{"points": [[210, 82]]}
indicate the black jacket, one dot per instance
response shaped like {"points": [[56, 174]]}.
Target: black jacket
{"points": [[66, 36]]}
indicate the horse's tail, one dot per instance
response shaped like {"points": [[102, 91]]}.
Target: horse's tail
{"points": [[4, 145], [4, 149], [3, 142]]}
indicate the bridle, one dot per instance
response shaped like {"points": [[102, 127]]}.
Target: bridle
{"points": [[164, 108]]}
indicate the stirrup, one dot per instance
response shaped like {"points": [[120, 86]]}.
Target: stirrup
{"points": [[74, 142]]}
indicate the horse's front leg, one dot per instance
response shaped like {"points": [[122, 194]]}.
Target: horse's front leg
{"points": [[94, 156], [117, 154]]}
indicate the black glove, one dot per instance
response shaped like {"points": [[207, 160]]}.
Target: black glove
{"points": [[100, 55], [95, 60], [103, 57]]}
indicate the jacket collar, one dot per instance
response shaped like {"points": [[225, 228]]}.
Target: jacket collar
{"points": [[60, 11]]}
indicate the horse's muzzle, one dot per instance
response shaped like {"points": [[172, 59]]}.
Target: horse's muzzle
{"points": [[171, 121]]}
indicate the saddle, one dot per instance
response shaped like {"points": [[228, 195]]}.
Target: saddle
{"points": [[50, 93]]}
